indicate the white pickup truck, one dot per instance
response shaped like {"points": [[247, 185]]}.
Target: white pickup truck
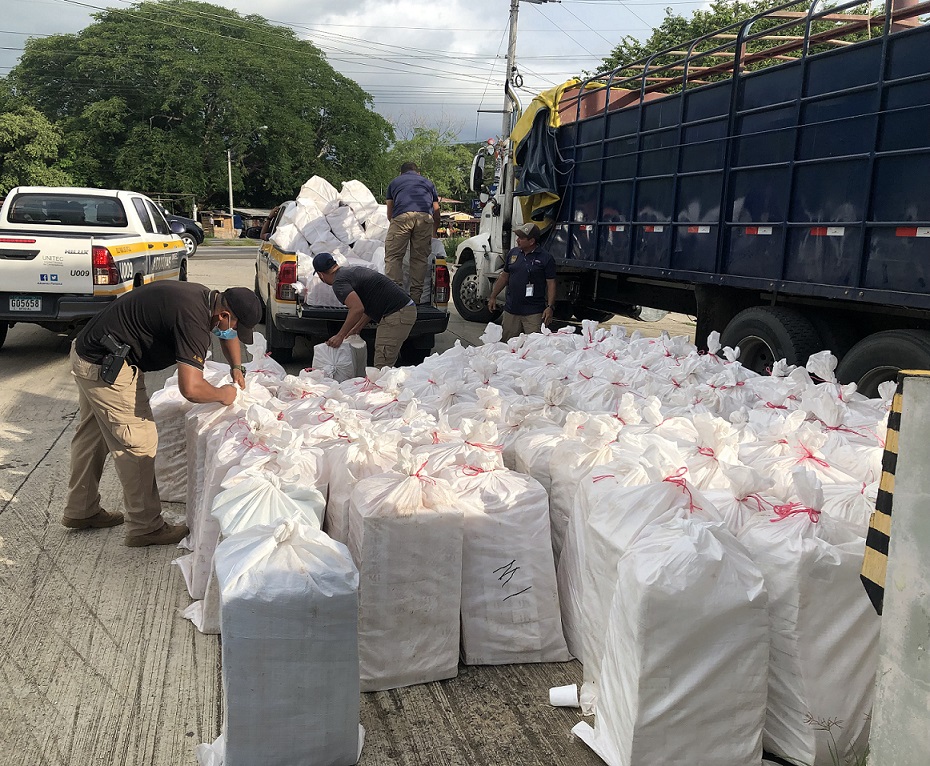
{"points": [[66, 253]]}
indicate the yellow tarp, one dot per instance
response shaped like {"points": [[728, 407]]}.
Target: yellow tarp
{"points": [[548, 99]]}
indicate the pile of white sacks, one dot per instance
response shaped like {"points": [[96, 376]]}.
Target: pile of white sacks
{"points": [[349, 224], [689, 530]]}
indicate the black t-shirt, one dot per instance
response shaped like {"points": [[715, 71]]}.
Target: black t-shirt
{"points": [[379, 294], [530, 269], [162, 323]]}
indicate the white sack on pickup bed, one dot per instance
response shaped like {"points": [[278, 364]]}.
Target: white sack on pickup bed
{"points": [[358, 197], [345, 226], [290, 652], [683, 678], [510, 603], [321, 193], [311, 221], [405, 534], [289, 238], [824, 629]]}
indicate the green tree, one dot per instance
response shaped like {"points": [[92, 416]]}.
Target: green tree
{"points": [[29, 146], [152, 96], [440, 158]]}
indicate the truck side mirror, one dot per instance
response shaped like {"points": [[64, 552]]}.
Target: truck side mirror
{"points": [[476, 179]]}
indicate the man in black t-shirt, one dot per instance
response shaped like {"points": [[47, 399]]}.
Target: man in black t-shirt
{"points": [[370, 297], [529, 276], [159, 324]]}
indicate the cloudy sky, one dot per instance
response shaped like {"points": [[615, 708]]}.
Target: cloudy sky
{"points": [[433, 63]]}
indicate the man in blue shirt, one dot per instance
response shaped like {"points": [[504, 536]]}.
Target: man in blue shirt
{"points": [[529, 276], [413, 210]]}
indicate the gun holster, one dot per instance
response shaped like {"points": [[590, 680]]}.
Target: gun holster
{"points": [[113, 362]]}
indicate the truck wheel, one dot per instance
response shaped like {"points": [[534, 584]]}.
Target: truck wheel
{"points": [[190, 244], [465, 295], [766, 334], [3, 330], [879, 357]]}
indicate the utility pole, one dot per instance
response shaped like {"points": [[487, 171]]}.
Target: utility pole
{"points": [[229, 169], [506, 149], [511, 104]]}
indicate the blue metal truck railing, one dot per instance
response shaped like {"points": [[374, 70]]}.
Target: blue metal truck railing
{"points": [[804, 170]]}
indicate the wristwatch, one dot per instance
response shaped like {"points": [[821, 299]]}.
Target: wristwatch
{"points": [[240, 367]]}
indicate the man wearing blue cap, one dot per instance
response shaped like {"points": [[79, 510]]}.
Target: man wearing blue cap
{"points": [[370, 297]]}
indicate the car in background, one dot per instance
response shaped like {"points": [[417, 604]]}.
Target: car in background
{"points": [[192, 236]]}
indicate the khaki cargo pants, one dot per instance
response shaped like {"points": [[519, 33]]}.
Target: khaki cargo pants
{"points": [[393, 330], [415, 229], [515, 324], [115, 420]]}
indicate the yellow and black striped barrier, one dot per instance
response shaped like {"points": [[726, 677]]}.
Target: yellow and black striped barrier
{"points": [[875, 564]]}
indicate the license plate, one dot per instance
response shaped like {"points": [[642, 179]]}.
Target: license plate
{"points": [[26, 303]]}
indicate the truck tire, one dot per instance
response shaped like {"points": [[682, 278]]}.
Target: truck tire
{"points": [[879, 357], [465, 295], [766, 334], [4, 326]]}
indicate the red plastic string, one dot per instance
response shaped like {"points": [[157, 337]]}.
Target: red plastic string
{"points": [[426, 479], [489, 447], [596, 479], [386, 404], [473, 470], [808, 455], [586, 377], [773, 406], [783, 512], [761, 502], [707, 452], [679, 481], [675, 383]]}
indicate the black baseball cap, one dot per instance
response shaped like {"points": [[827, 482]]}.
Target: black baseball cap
{"points": [[323, 262], [246, 307]]}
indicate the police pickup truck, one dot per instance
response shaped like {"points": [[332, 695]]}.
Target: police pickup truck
{"points": [[66, 253], [287, 316]]}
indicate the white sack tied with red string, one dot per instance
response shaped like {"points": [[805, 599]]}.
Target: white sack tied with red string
{"points": [[824, 631], [405, 535], [613, 525], [687, 639], [510, 603], [290, 647], [569, 462], [599, 486]]}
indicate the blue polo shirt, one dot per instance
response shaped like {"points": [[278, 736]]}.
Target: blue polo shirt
{"points": [[412, 193], [534, 268]]}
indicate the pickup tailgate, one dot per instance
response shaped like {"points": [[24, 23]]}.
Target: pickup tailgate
{"points": [[31, 264]]}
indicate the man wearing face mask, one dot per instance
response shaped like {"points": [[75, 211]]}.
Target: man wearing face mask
{"points": [[148, 329]]}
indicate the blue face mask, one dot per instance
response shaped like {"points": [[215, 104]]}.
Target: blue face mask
{"points": [[229, 334]]}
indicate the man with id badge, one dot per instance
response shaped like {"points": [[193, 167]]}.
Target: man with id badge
{"points": [[529, 276], [148, 329]]}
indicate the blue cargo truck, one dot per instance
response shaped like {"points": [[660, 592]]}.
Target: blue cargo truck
{"points": [[771, 179]]}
